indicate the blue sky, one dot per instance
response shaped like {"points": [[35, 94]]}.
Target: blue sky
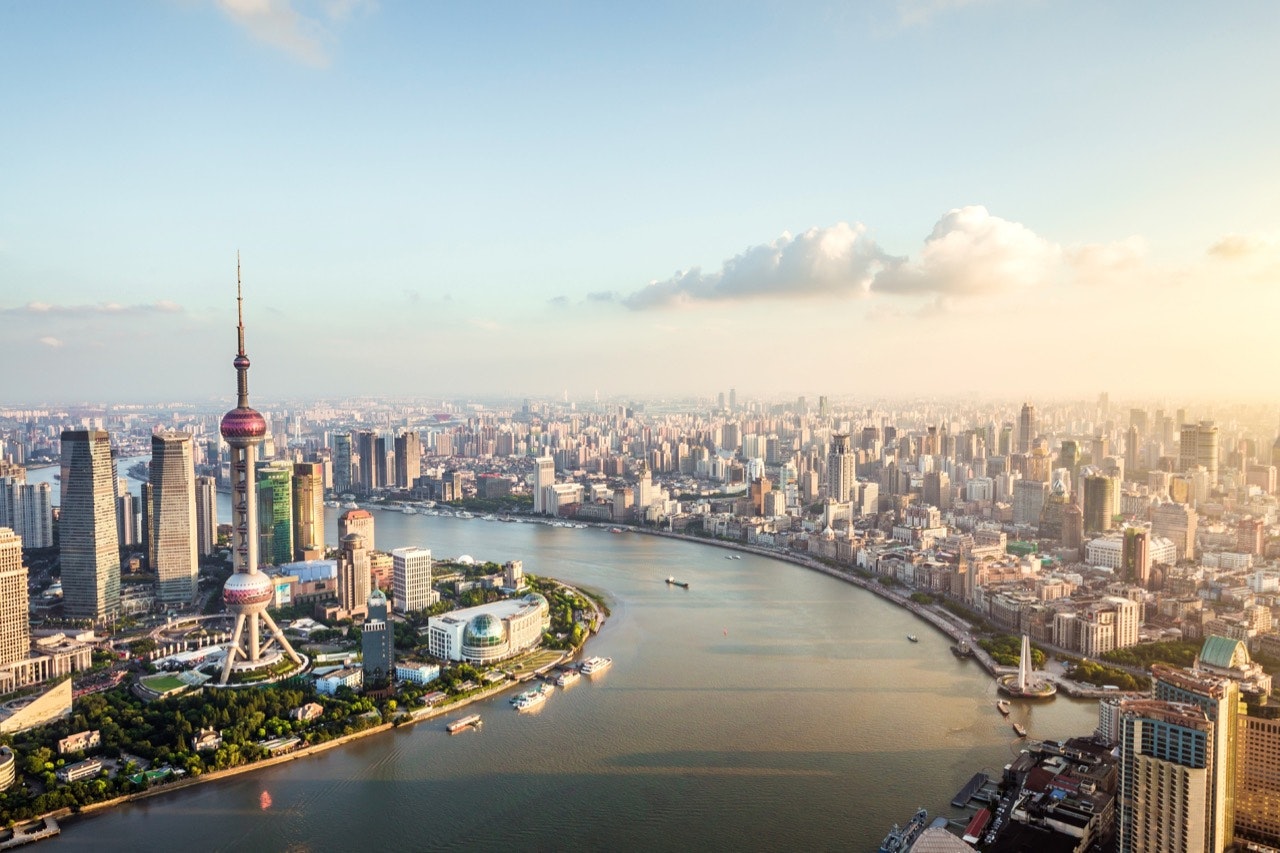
{"points": [[923, 196]]}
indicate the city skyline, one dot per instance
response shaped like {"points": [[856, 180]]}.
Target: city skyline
{"points": [[444, 202]]}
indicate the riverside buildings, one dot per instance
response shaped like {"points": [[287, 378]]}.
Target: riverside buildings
{"points": [[90, 550], [411, 580]]}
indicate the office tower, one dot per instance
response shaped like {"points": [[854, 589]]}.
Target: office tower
{"points": [[1100, 498], [1052, 518], [1199, 447], [275, 512], [126, 521], [356, 521], [354, 575], [411, 580], [248, 592], [1072, 526], [35, 515], [342, 462], [377, 641], [9, 497], [90, 550], [733, 399], [206, 515], [173, 518], [1135, 556], [15, 631], [1177, 522], [1028, 427], [1004, 444], [1138, 420], [1132, 457], [408, 459], [824, 410], [1069, 456], [1028, 501], [372, 468], [937, 490], [308, 510], [1219, 699], [544, 476], [146, 505], [1163, 801], [841, 468]]}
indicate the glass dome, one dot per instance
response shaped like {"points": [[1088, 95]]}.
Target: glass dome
{"points": [[538, 599], [484, 630]]}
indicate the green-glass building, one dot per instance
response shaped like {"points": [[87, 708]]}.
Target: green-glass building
{"points": [[275, 512]]}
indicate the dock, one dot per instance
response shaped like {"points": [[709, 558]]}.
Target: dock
{"points": [[25, 833], [966, 793], [472, 721]]}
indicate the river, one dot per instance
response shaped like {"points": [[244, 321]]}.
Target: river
{"points": [[766, 707]]}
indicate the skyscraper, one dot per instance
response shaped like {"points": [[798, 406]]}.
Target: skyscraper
{"points": [[308, 510], [1199, 447], [248, 592], [1028, 427], [1101, 497], [206, 515], [15, 631], [408, 459], [544, 476], [126, 520], [356, 521], [342, 462], [841, 468], [275, 511], [411, 579], [173, 518], [1164, 797], [1177, 522], [26, 509], [377, 642], [372, 468], [90, 550], [354, 575]]}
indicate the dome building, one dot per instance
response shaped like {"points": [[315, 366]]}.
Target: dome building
{"points": [[489, 632]]}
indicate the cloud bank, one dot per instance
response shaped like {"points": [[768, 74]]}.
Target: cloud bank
{"points": [[45, 309], [970, 253], [309, 38]]}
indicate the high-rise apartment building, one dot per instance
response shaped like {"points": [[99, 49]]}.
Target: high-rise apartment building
{"points": [[1028, 500], [1199, 447], [26, 508], [411, 580], [275, 511], [308, 510], [1028, 427], [206, 515], [1176, 522], [408, 456], [90, 550], [342, 462], [841, 468], [173, 517], [15, 631]]}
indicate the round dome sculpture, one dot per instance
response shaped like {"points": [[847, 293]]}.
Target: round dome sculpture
{"points": [[484, 640], [245, 592], [243, 423]]}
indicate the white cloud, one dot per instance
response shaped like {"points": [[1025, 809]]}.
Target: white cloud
{"points": [[840, 260], [1238, 246], [45, 309], [972, 252], [308, 38], [50, 341]]}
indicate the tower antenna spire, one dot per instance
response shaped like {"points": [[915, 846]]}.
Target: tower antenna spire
{"points": [[239, 307]]}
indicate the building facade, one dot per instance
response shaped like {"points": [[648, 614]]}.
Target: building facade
{"points": [[90, 550], [411, 580], [173, 518]]}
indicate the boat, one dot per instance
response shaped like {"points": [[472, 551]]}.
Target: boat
{"points": [[1019, 730], [900, 839], [1003, 707], [615, 529], [591, 666], [674, 582], [569, 676], [351, 505], [961, 649], [529, 701], [913, 638], [463, 723]]}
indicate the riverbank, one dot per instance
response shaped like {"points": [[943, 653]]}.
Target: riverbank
{"points": [[401, 720]]}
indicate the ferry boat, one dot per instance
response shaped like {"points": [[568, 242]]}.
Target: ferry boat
{"points": [[1003, 707], [591, 666], [1019, 730], [900, 839], [569, 676], [465, 722], [913, 638], [674, 582], [615, 529], [529, 701]]}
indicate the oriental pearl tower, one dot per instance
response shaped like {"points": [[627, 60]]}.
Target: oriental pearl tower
{"points": [[247, 592]]}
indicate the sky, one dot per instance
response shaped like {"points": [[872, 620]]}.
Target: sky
{"points": [[658, 199]]}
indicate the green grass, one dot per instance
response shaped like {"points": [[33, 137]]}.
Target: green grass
{"points": [[164, 683]]}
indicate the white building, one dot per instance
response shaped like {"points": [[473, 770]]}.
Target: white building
{"points": [[417, 673], [328, 684], [1108, 551], [490, 632], [411, 580], [543, 477]]}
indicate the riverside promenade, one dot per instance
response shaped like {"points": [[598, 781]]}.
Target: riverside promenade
{"points": [[951, 625]]}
